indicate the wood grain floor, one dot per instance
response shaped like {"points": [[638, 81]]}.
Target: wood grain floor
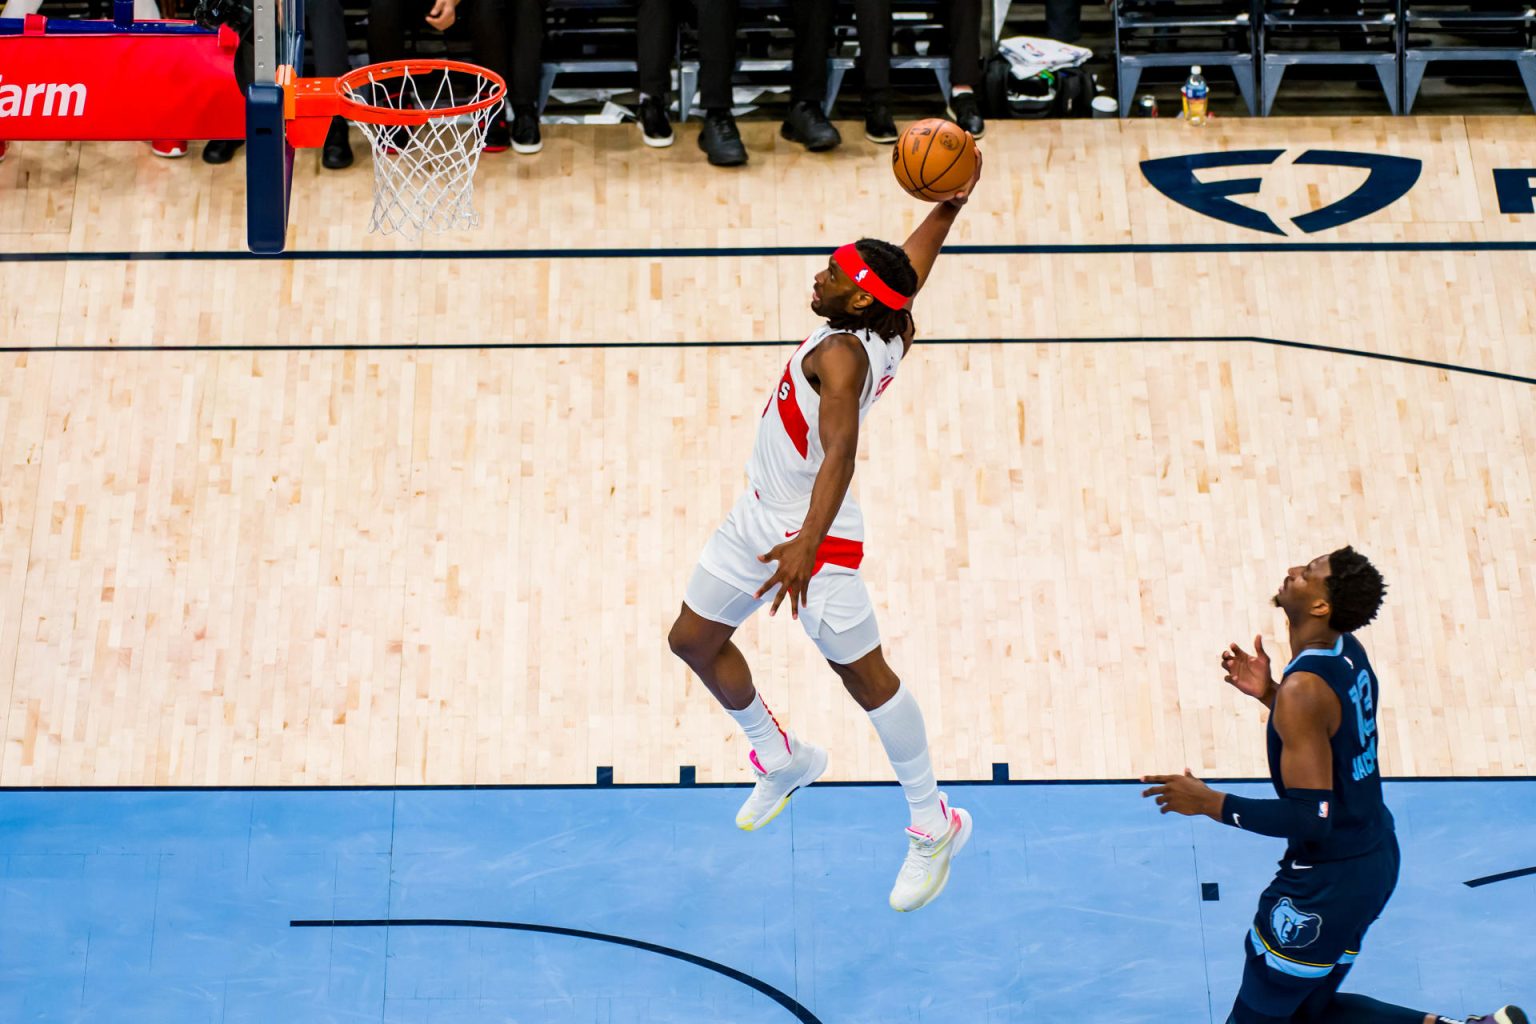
{"points": [[254, 562]]}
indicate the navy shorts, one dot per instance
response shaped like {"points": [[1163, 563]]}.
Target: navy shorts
{"points": [[1311, 921]]}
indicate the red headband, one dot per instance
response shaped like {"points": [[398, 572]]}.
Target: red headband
{"points": [[854, 266]]}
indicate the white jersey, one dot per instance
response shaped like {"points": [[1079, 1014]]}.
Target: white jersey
{"points": [[787, 454]]}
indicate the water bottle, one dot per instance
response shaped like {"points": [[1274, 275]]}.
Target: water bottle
{"points": [[1196, 97]]}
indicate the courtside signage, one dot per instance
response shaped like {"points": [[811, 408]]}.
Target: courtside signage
{"points": [[45, 99]]}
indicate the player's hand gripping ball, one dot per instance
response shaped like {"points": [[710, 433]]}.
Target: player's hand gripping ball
{"points": [[934, 159]]}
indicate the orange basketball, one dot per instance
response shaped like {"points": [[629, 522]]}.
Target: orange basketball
{"points": [[934, 159]]}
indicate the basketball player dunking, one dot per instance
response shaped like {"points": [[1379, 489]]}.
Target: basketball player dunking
{"points": [[1341, 861], [796, 534]]}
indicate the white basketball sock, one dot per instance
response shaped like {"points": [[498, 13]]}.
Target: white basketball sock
{"points": [[769, 742], [899, 723]]}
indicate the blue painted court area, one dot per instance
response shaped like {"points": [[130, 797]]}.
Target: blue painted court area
{"points": [[176, 906]]}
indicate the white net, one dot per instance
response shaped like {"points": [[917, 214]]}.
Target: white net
{"points": [[424, 175]]}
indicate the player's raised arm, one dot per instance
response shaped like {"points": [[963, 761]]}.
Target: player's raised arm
{"points": [[923, 245]]}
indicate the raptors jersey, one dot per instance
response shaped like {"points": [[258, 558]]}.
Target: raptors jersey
{"points": [[787, 454]]}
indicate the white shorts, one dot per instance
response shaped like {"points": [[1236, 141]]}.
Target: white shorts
{"points": [[837, 615]]}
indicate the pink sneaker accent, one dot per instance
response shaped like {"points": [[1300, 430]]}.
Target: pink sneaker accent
{"points": [[775, 719], [757, 765]]}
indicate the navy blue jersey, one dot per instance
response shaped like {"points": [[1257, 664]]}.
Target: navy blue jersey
{"points": [[1360, 817]]}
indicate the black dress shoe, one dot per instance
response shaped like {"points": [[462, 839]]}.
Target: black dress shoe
{"points": [[878, 124], [525, 130], [337, 151], [221, 151], [655, 129], [965, 112], [720, 140], [807, 125]]}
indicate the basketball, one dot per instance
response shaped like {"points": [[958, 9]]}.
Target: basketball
{"points": [[934, 159]]}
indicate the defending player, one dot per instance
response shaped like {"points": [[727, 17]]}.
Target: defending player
{"points": [[1341, 861], [795, 533]]}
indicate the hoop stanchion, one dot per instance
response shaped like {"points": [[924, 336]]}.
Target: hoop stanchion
{"points": [[426, 122]]}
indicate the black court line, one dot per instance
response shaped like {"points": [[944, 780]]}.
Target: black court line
{"points": [[1307, 346], [556, 786], [1110, 249], [1501, 877], [782, 998]]}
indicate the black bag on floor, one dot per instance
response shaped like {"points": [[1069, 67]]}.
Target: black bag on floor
{"points": [[1067, 92], [1074, 93], [994, 87]]}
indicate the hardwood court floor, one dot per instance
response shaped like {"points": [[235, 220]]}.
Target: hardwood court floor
{"points": [[254, 561]]}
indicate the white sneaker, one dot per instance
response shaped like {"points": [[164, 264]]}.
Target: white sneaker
{"points": [[807, 762], [925, 872]]}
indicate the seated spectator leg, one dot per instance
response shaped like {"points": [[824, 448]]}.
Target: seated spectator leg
{"points": [[965, 43], [812, 22], [717, 53], [655, 44], [965, 65], [487, 24], [386, 28], [527, 24], [874, 23], [1064, 20], [719, 137], [328, 33], [807, 122]]}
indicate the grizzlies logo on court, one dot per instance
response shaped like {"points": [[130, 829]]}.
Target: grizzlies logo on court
{"points": [[1388, 179], [1292, 926]]}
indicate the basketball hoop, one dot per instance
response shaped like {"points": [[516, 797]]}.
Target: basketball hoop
{"points": [[426, 122]]}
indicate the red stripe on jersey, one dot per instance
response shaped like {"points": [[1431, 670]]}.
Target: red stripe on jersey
{"points": [[839, 551], [790, 415]]}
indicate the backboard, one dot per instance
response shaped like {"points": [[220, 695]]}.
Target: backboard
{"points": [[277, 42]]}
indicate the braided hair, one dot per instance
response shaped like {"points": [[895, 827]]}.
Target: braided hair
{"points": [[1355, 590], [890, 264]]}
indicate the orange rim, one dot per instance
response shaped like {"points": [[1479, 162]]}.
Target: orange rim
{"points": [[314, 100]]}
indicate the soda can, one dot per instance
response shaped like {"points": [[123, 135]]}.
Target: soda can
{"points": [[1146, 106]]}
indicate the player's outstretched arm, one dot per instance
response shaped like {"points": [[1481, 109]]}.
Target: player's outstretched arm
{"points": [[1306, 716], [923, 245]]}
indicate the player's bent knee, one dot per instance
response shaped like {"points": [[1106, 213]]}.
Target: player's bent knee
{"points": [[695, 639], [686, 641]]}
